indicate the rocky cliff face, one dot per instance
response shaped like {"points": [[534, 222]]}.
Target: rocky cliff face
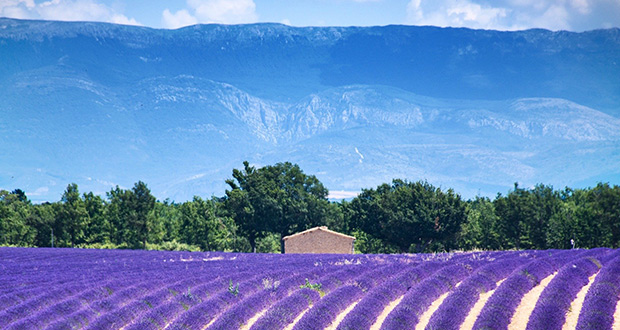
{"points": [[100, 105]]}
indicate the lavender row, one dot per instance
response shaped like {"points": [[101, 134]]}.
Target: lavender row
{"points": [[90, 313], [37, 303], [556, 298], [372, 304], [327, 309], [452, 312], [286, 310], [172, 299], [272, 292], [601, 300], [44, 317], [108, 305], [406, 315], [500, 307], [161, 316], [199, 315], [130, 289]]}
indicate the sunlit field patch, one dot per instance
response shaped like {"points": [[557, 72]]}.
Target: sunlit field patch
{"points": [[122, 289]]}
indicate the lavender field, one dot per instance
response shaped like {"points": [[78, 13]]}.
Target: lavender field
{"points": [[119, 289]]}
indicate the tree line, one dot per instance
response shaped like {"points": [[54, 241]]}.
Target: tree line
{"points": [[262, 205]]}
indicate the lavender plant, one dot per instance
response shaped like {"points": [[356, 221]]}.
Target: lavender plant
{"points": [[602, 298], [406, 315], [367, 310], [500, 307], [453, 310], [555, 300], [100, 289]]}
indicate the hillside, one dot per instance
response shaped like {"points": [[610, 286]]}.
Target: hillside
{"points": [[129, 289], [101, 104]]}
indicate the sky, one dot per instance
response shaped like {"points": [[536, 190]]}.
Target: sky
{"points": [[571, 15]]}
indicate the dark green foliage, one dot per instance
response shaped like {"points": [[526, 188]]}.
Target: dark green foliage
{"points": [[481, 228], [313, 286], [524, 216], [232, 289], [128, 215], [413, 217], [267, 203], [72, 218], [199, 225], [275, 199], [14, 212]]}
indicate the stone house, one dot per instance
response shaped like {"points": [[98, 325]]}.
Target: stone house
{"points": [[319, 240]]}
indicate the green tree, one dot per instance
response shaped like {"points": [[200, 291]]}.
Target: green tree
{"points": [[72, 217], [414, 217], [129, 215], [41, 220], [168, 217], [97, 229], [524, 216], [14, 212], [199, 225], [117, 211], [480, 229], [564, 227], [275, 199], [604, 202], [141, 203]]}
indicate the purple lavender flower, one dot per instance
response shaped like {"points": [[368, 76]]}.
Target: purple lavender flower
{"points": [[453, 310], [286, 310], [602, 297], [406, 315], [556, 298]]}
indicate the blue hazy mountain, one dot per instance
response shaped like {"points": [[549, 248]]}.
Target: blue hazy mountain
{"points": [[102, 104]]}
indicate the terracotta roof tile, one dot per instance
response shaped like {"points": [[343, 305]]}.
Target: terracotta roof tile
{"points": [[321, 228]]}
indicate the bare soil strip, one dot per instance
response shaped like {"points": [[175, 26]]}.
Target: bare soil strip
{"points": [[426, 316], [616, 325], [522, 313], [472, 316], [575, 307], [386, 311], [253, 320], [290, 326], [341, 317]]}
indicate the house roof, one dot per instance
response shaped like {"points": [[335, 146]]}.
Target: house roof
{"points": [[321, 228]]}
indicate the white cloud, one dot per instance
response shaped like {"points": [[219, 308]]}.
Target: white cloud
{"points": [[179, 19], [224, 11], [575, 15], [39, 191], [63, 10], [341, 194], [457, 13], [212, 11]]}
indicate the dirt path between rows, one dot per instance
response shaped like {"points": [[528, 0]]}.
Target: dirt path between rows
{"points": [[426, 316], [526, 306], [253, 320], [290, 326], [386, 311], [617, 317], [575, 307], [472, 316], [341, 316]]}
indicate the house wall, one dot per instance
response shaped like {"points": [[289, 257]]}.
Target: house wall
{"points": [[318, 242]]}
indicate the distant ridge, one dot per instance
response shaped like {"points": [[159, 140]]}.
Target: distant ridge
{"points": [[476, 110]]}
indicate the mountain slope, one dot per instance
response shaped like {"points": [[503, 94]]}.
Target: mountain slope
{"points": [[101, 105]]}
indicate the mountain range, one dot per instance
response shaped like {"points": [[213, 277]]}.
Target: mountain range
{"points": [[474, 110]]}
